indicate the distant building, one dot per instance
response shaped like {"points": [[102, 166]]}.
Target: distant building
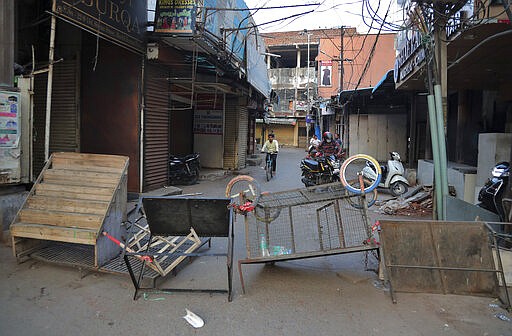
{"points": [[307, 69]]}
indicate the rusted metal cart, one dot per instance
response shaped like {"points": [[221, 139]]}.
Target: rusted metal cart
{"points": [[177, 227], [445, 257], [306, 223]]}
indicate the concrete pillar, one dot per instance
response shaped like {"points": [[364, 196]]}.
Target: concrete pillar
{"points": [[7, 43]]}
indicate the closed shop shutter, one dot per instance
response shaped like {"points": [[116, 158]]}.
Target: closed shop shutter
{"points": [[65, 125], [65, 116], [38, 122], [251, 140], [243, 133], [235, 136], [156, 128]]}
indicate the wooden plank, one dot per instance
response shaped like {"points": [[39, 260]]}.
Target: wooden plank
{"points": [[121, 160], [81, 177], [372, 136], [75, 189], [79, 182], [68, 205], [89, 166], [64, 219], [54, 233], [73, 195], [381, 136]]}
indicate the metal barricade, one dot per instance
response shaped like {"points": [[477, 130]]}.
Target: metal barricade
{"points": [[306, 223]]}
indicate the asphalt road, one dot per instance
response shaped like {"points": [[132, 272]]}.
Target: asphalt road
{"points": [[320, 296]]}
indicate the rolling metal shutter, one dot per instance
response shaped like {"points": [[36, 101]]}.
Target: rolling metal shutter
{"points": [[243, 134], [156, 128], [65, 115], [235, 136], [38, 124], [65, 125]]}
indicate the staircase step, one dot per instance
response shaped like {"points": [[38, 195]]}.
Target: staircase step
{"points": [[72, 195], [80, 178], [38, 202], [89, 162], [54, 233], [254, 161], [62, 219], [79, 192]]}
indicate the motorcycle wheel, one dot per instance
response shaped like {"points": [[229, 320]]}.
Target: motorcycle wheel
{"points": [[307, 182], [398, 188], [194, 177]]}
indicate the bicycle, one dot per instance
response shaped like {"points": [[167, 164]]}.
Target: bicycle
{"points": [[269, 162]]}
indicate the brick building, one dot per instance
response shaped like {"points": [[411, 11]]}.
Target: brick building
{"points": [[308, 68]]}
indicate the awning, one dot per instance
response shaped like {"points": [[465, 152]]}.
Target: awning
{"points": [[344, 96], [386, 81], [479, 58]]}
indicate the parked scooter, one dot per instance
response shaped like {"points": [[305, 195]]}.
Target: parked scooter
{"points": [[318, 169], [392, 175], [184, 170], [491, 194]]}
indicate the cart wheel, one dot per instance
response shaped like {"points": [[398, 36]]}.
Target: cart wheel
{"points": [[353, 168], [243, 189], [371, 197], [266, 214]]}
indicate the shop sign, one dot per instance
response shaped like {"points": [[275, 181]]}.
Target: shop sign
{"points": [[208, 122], [410, 56], [175, 16], [119, 21]]}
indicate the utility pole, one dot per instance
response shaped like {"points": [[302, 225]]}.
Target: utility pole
{"points": [[308, 106], [340, 63], [307, 75]]}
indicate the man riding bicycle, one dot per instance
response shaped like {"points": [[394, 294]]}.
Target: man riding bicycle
{"points": [[271, 147]]}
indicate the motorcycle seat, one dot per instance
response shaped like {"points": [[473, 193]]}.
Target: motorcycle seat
{"points": [[311, 164]]}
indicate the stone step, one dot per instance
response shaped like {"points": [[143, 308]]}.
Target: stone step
{"points": [[254, 161]]}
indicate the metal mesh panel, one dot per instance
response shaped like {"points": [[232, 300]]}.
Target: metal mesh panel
{"points": [[312, 220]]}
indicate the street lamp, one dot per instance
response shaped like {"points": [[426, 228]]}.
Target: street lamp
{"points": [[305, 32]]}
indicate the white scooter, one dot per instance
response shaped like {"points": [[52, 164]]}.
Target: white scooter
{"points": [[392, 175]]}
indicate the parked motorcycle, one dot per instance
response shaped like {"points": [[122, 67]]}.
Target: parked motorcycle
{"points": [[392, 175], [184, 170], [318, 169], [491, 194]]}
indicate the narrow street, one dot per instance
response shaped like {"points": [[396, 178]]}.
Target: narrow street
{"points": [[320, 296]]}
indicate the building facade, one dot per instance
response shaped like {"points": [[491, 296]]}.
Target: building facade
{"points": [[471, 67], [308, 69], [105, 79]]}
